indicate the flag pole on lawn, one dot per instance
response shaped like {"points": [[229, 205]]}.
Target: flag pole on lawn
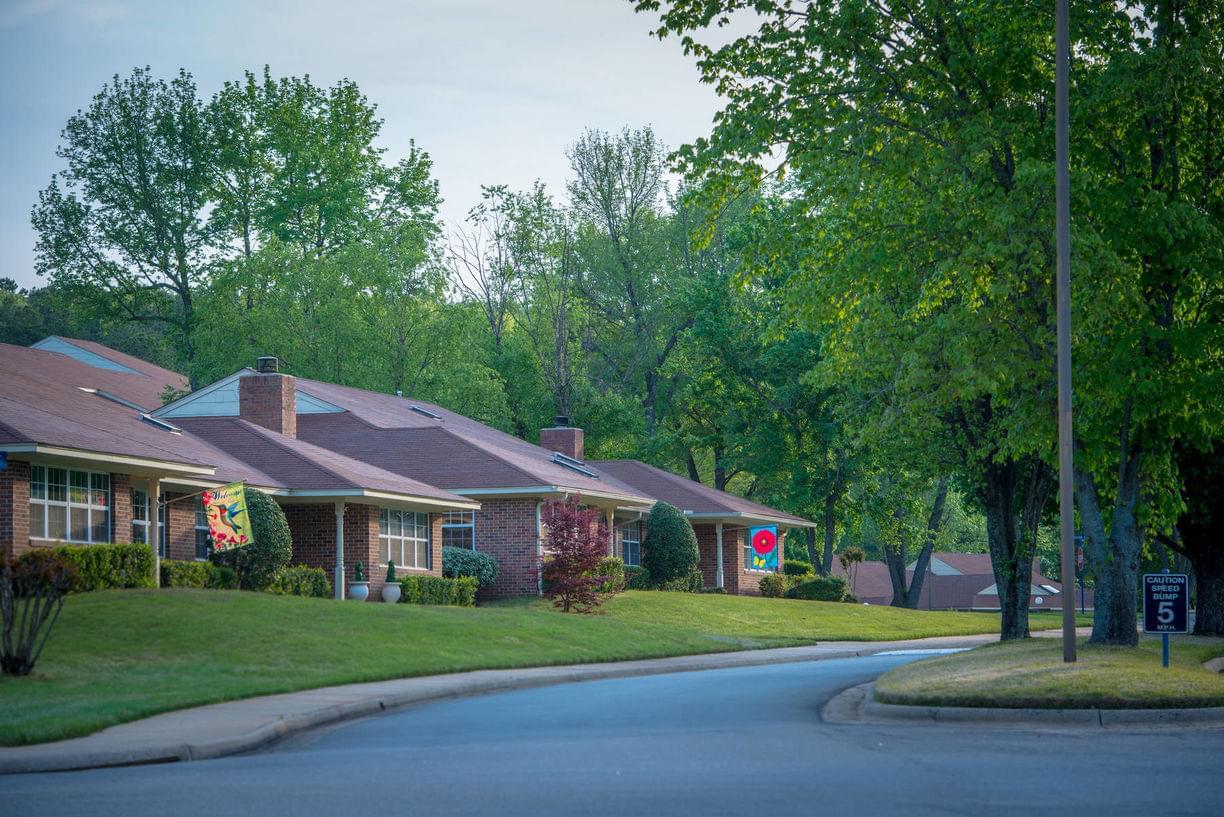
{"points": [[1062, 230]]}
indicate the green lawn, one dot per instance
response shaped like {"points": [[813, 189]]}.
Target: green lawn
{"points": [[1032, 674], [120, 655]]}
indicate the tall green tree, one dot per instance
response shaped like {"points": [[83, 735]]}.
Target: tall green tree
{"points": [[124, 224]]}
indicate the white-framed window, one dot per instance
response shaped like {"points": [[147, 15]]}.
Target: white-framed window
{"points": [[69, 505], [459, 529], [403, 537], [631, 543], [140, 516], [203, 538]]}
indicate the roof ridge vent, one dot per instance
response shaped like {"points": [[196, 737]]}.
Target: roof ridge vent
{"points": [[160, 423], [573, 465], [114, 398], [425, 411]]}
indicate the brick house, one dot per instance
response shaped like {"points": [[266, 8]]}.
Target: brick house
{"points": [[365, 475]]}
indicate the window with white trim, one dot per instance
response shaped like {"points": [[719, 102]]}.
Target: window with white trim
{"points": [[631, 543], [140, 516], [459, 530], [69, 505], [403, 538], [203, 538]]}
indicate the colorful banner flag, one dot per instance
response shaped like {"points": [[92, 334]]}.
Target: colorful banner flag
{"points": [[764, 541], [228, 522]]}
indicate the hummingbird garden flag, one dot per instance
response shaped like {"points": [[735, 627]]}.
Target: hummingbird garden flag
{"points": [[228, 521], [764, 541]]}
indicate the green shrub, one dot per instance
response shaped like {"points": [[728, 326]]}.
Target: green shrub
{"points": [[637, 578], [795, 567], [691, 582], [614, 568], [459, 591], [820, 588], [300, 580], [773, 586], [103, 567], [176, 573], [466, 562], [670, 550], [223, 578], [391, 572], [257, 564]]}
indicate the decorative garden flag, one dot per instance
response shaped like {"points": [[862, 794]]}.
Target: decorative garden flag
{"points": [[764, 541], [228, 521]]}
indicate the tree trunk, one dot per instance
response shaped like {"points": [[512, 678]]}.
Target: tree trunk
{"points": [[934, 523], [830, 535], [1209, 610], [1015, 494], [1199, 532], [810, 541]]}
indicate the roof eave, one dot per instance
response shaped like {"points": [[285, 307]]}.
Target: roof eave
{"points": [[740, 517], [143, 464]]}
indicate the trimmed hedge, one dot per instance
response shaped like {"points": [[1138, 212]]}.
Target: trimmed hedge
{"points": [[691, 582], [105, 567], [300, 580], [820, 588], [773, 586], [614, 568], [670, 549], [459, 591], [797, 567], [458, 562], [200, 575], [637, 578]]}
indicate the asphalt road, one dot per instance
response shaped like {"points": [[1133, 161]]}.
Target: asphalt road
{"points": [[737, 742]]}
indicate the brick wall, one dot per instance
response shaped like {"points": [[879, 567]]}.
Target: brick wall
{"points": [[15, 508], [313, 528], [506, 529], [121, 508], [269, 400], [180, 521]]}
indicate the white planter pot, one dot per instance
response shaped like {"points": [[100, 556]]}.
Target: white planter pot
{"points": [[359, 591], [391, 593]]}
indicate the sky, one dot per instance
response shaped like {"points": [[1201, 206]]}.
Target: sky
{"points": [[493, 90]]}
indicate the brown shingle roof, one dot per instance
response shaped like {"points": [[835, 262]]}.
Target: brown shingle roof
{"points": [[144, 388], [688, 495], [299, 465]]}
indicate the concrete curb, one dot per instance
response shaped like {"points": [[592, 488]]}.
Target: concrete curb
{"points": [[258, 722], [858, 705]]}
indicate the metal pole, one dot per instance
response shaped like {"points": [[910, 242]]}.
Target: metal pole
{"points": [[1062, 196]]}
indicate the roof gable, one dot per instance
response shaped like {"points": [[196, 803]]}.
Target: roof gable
{"points": [[220, 399]]}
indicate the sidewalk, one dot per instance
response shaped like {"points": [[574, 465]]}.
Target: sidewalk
{"points": [[241, 726]]}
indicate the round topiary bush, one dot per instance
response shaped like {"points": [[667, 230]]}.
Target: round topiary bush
{"points": [[670, 549], [258, 563]]}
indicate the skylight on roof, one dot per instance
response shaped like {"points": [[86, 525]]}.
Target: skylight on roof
{"points": [[573, 465], [162, 424], [426, 412]]}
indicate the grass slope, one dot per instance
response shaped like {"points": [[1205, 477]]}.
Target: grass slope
{"points": [[1031, 674], [120, 655]]}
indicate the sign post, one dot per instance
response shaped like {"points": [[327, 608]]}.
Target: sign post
{"points": [[1166, 602]]}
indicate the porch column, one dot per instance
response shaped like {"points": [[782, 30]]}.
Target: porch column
{"points": [[718, 572], [155, 526], [611, 516], [339, 573]]}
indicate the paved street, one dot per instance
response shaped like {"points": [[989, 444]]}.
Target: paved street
{"points": [[743, 741]]}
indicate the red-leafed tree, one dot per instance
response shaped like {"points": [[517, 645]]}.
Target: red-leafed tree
{"points": [[575, 539]]}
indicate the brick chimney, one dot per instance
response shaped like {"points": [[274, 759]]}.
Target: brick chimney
{"points": [[564, 439], [269, 398]]}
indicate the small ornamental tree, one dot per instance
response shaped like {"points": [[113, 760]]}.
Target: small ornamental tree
{"points": [[32, 591], [670, 549], [271, 550], [575, 540], [850, 559]]}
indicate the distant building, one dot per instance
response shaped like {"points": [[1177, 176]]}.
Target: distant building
{"points": [[954, 581]]}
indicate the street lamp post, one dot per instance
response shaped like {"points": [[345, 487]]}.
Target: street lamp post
{"points": [[1062, 230]]}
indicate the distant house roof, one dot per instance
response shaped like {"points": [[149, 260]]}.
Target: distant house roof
{"points": [[693, 498], [945, 587], [139, 381]]}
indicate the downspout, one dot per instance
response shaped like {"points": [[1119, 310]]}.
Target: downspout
{"points": [[155, 511], [339, 573], [718, 573], [539, 549]]}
